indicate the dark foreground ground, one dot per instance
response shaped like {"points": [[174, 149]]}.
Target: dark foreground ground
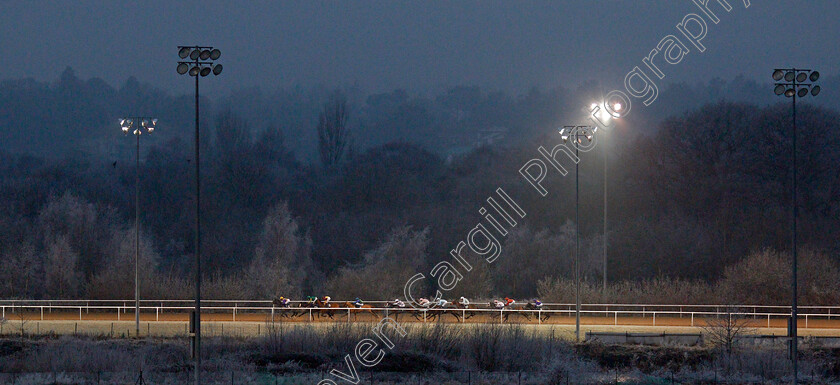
{"points": [[495, 354]]}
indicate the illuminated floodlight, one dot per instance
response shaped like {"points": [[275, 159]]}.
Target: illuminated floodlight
{"points": [[593, 106], [194, 71], [564, 133], [617, 107], [790, 92], [777, 75]]}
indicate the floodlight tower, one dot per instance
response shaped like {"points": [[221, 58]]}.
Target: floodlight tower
{"points": [[201, 64], [136, 125], [793, 83], [577, 134]]}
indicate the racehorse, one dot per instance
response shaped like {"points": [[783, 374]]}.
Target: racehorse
{"points": [[284, 308], [351, 305], [400, 309], [533, 306], [495, 304], [449, 305], [464, 304]]}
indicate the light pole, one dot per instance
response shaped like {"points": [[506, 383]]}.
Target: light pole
{"points": [[604, 116], [137, 124], [577, 134], [201, 64], [793, 83]]}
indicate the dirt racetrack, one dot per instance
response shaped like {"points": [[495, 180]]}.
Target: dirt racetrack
{"points": [[249, 323]]}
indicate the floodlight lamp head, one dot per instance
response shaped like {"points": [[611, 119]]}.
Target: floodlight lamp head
{"points": [[815, 90], [801, 77], [802, 92], [204, 55], [778, 74], [205, 71], [184, 52], [194, 71], [790, 92], [215, 54], [815, 75], [183, 68], [789, 76], [780, 89], [194, 55], [217, 69]]}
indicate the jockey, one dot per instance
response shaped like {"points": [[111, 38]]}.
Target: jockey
{"points": [[464, 301], [423, 302], [441, 302], [310, 300], [509, 301], [498, 304], [284, 302], [326, 300], [398, 303], [358, 302], [537, 303]]}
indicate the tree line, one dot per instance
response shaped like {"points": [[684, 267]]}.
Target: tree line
{"points": [[691, 197]]}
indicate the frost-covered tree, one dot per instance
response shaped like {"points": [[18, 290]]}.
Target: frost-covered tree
{"points": [[62, 277], [116, 278], [386, 269], [281, 265]]}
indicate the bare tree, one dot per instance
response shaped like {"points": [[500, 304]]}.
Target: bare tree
{"points": [[333, 133], [63, 280], [386, 268], [115, 279], [725, 330], [22, 320], [281, 263], [21, 272]]}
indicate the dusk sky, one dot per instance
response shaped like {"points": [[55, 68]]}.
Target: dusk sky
{"points": [[420, 46]]}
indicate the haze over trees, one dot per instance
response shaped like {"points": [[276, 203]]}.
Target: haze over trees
{"points": [[318, 191]]}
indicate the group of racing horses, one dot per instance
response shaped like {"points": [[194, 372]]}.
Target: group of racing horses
{"points": [[461, 308]]}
